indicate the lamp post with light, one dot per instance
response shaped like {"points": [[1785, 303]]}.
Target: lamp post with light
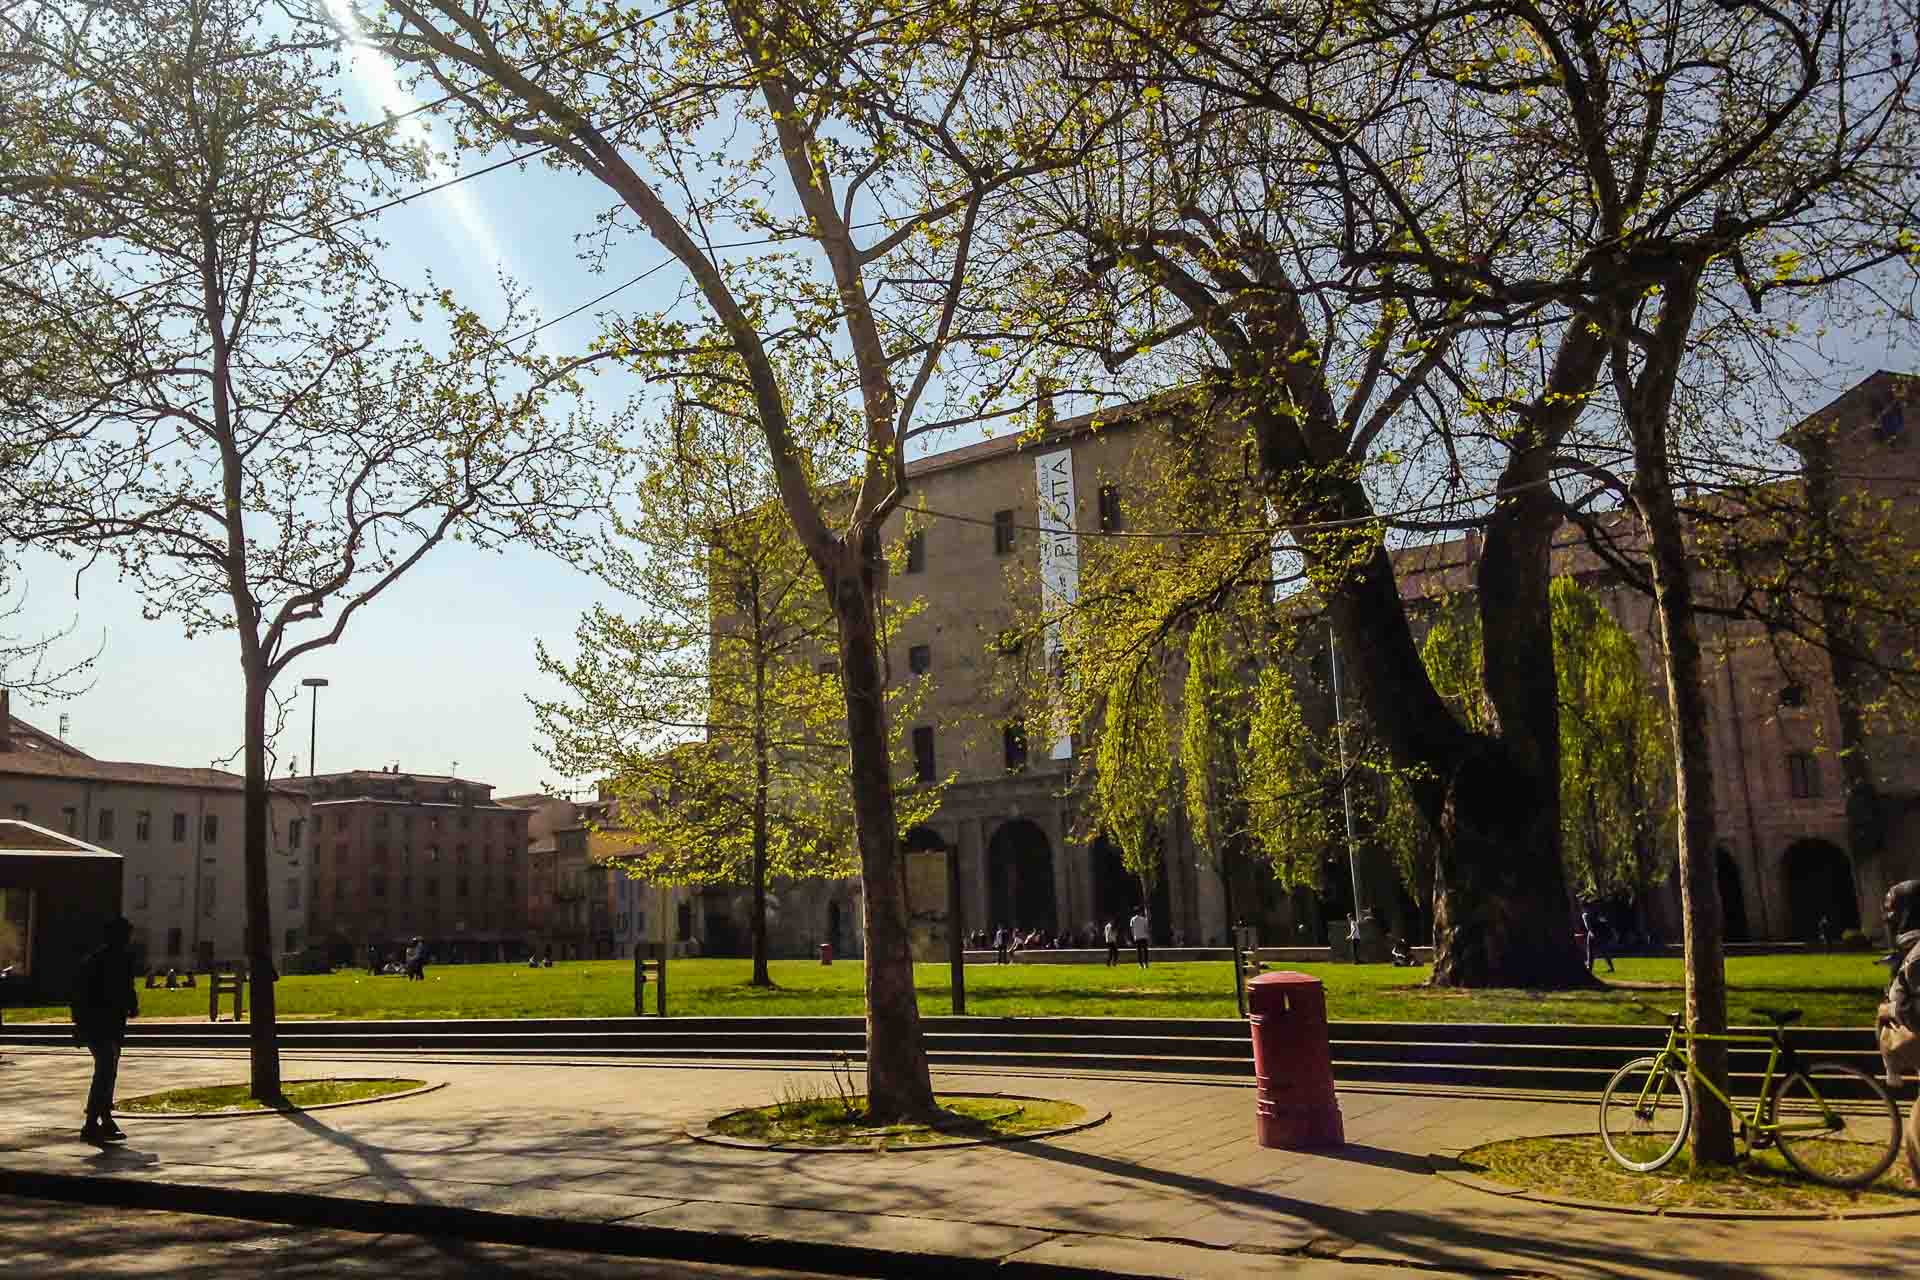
{"points": [[315, 683]]}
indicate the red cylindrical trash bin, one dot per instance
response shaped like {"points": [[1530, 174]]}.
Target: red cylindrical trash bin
{"points": [[1292, 1064], [826, 953]]}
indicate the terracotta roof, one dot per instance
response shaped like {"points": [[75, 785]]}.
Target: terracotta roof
{"points": [[48, 764], [26, 737]]}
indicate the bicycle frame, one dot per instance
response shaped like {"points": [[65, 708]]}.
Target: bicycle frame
{"points": [[1781, 1062]]}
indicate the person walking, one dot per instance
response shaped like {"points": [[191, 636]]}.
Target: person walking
{"points": [[417, 961], [103, 1000], [1113, 943], [1592, 922], [1141, 930]]}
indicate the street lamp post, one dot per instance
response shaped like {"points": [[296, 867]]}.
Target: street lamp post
{"points": [[1346, 801], [315, 683]]}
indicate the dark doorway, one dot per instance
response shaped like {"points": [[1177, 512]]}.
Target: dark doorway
{"points": [[1820, 886], [1115, 892], [1733, 904], [1020, 878]]}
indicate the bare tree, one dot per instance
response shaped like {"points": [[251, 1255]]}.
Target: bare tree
{"points": [[867, 149], [236, 423]]}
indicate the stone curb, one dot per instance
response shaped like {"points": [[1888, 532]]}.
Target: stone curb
{"points": [[1445, 1164], [624, 1239], [947, 1144], [144, 1116]]}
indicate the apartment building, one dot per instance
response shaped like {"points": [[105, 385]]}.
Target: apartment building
{"points": [[399, 855], [180, 833]]}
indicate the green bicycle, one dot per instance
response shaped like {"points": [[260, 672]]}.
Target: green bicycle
{"points": [[1833, 1122]]}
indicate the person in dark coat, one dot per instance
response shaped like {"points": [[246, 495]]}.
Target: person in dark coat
{"points": [[417, 961], [103, 1000]]}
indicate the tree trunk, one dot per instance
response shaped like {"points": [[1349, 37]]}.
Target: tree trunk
{"points": [[262, 1033], [899, 1086], [1500, 906], [761, 783], [1647, 406], [1699, 885]]}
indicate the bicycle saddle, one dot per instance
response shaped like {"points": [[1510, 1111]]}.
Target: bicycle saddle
{"points": [[1779, 1017]]}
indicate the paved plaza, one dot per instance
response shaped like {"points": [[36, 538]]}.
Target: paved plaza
{"points": [[1172, 1185]]}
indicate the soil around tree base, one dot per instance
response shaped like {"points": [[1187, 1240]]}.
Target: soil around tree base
{"points": [[1574, 1170], [823, 1125]]}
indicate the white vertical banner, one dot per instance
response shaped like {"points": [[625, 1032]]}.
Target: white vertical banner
{"points": [[1059, 569]]}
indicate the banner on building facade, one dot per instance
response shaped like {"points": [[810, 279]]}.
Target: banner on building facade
{"points": [[1059, 571]]}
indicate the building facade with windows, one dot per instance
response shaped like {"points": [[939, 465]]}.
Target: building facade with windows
{"points": [[396, 855], [1004, 519], [180, 833]]}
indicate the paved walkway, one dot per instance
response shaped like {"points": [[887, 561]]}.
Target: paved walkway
{"points": [[1162, 1188]]}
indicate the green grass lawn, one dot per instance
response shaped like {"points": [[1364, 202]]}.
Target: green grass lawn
{"points": [[1836, 990]]}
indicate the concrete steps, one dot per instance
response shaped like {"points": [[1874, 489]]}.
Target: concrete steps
{"points": [[1472, 1055]]}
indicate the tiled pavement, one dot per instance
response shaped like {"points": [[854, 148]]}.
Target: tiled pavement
{"points": [[604, 1142]]}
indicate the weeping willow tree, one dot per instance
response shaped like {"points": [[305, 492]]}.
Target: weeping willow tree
{"points": [[1133, 771], [1616, 799]]}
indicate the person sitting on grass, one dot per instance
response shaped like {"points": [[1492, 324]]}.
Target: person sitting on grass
{"points": [[1402, 954]]}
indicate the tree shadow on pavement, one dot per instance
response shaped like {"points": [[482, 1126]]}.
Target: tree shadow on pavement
{"points": [[1461, 1238]]}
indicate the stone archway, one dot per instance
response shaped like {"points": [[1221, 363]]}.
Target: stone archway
{"points": [[1733, 903], [1820, 886], [1020, 878]]}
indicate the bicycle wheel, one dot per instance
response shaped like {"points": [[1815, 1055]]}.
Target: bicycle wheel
{"points": [[1645, 1114], [1859, 1133]]}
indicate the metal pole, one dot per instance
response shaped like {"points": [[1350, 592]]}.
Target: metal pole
{"points": [[315, 683], [1346, 801]]}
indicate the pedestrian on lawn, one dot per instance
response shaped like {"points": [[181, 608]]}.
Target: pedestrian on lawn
{"points": [[1142, 932], [1000, 945], [103, 1000], [417, 961], [1113, 943], [1592, 922]]}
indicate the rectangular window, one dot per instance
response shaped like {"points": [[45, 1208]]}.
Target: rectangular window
{"points": [[173, 942], [406, 886], [293, 893], [296, 828], [510, 890], [1014, 740], [179, 828], [210, 829], [920, 659], [103, 823], [460, 887], [917, 551], [179, 891], [141, 888], [379, 886], [432, 888], [923, 753], [1109, 508], [1803, 776], [143, 826], [1002, 533], [209, 887], [293, 940], [72, 815]]}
